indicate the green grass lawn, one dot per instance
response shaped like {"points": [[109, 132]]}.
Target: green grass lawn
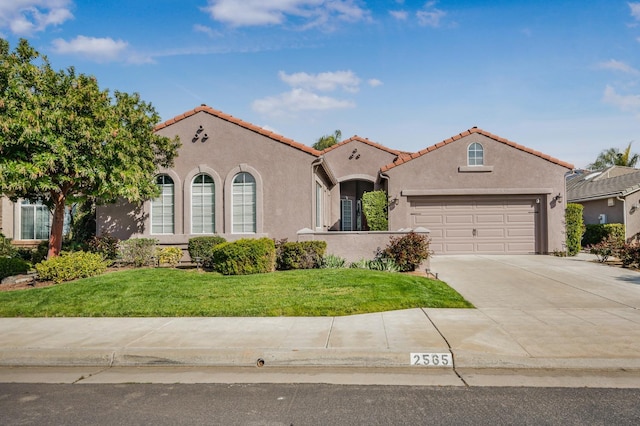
{"points": [[175, 292]]}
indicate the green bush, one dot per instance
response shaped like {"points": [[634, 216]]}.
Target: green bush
{"points": [[629, 254], [299, 255], [71, 266], [599, 232], [331, 261], [138, 251], [202, 246], [106, 245], [407, 251], [169, 256], [6, 248], [245, 256], [10, 266], [374, 207], [575, 227]]}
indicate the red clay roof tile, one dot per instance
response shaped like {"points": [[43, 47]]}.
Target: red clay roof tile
{"points": [[246, 125], [428, 149]]}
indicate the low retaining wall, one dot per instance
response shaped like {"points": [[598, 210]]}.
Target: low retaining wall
{"points": [[355, 245]]}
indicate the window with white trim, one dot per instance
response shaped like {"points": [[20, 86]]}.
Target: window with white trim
{"points": [[244, 204], [319, 205], [475, 155], [35, 221], [162, 208], [203, 196]]}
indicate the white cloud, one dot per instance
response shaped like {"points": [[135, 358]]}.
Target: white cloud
{"points": [[627, 103], [430, 16], [298, 100], [98, 49], [374, 82], [25, 17], [325, 81], [206, 30], [400, 15], [614, 65], [635, 10], [275, 12]]}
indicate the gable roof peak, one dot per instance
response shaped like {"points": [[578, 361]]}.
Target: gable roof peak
{"points": [[475, 129], [356, 138], [249, 126]]}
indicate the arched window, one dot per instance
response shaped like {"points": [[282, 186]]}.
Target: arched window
{"points": [[475, 155], [203, 196], [244, 203], [162, 214]]}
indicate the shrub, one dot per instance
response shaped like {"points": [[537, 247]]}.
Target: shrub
{"points": [[629, 254], [384, 264], [106, 245], [245, 256], [6, 248], [374, 207], [71, 266], [331, 261], [574, 228], [169, 255], [596, 233], [299, 255], [10, 266], [360, 264], [138, 251], [407, 251], [610, 246], [202, 246]]}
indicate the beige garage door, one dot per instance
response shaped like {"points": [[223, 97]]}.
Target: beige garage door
{"points": [[479, 224]]}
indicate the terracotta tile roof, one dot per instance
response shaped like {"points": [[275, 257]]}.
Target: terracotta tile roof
{"points": [[365, 141], [246, 125], [404, 159]]}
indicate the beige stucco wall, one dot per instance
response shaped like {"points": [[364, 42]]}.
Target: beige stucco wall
{"points": [[347, 165], [284, 177], [508, 171], [593, 209], [6, 217]]}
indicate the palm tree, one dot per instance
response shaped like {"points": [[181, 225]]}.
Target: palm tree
{"points": [[326, 141], [614, 157]]}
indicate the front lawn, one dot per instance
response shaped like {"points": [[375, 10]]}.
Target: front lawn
{"points": [[164, 292]]}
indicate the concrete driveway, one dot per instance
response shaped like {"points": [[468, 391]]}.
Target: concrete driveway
{"points": [[540, 308]]}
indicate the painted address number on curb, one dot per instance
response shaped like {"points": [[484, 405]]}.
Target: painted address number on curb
{"points": [[432, 359]]}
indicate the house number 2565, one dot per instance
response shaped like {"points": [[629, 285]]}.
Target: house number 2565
{"points": [[432, 359]]}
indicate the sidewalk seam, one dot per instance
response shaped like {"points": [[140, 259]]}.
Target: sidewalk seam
{"points": [[326, 344]]}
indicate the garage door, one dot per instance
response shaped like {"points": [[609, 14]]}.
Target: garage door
{"points": [[477, 224]]}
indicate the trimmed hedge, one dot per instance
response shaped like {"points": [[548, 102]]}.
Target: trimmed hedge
{"points": [[202, 246], [10, 266], [138, 251], [169, 256], [575, 227], [374, 207], [299, 255], [597, 233], [6, 248], [245, 256], [71, 266]]}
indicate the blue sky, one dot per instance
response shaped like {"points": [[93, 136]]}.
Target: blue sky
{"points": [[561, 77]]}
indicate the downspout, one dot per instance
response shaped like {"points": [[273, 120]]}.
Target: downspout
{"points": [[624, 215], [314, 165], [386, 177]]}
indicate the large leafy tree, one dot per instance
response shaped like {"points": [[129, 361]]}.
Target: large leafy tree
{"points": [[615, 157], [63, 140], [326, 141]]}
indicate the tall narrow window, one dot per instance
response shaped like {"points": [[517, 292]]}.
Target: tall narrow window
{"points": [[244, 203], [162, 215], [476, 155], [35, 221], [319, 205], [203, 205]]}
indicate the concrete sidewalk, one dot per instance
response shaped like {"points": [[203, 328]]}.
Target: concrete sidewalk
{"points": [[537, 312]]}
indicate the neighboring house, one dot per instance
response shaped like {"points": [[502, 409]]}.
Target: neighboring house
{"points": [[475, 192], [608, 196]]}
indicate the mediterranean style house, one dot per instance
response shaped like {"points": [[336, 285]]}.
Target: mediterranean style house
{"points": [[474, 193]]}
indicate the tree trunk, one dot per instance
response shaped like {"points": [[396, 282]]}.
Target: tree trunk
{"points": [[57, 226]]}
